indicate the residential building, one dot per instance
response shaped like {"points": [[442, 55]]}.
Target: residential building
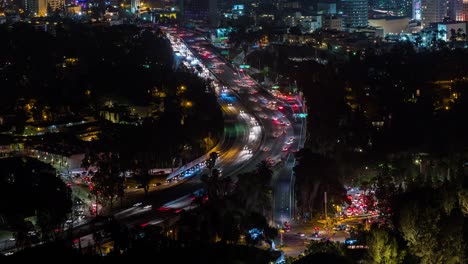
{"points": [[332, 22]]}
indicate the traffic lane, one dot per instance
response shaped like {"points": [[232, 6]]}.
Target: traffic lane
{"points": [[282, 200]]}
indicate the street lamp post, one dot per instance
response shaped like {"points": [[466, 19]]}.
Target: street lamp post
{"points": [[281, 231], [326, 215]]}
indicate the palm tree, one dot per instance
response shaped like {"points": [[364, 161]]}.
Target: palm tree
{"points": [[215, 186]]}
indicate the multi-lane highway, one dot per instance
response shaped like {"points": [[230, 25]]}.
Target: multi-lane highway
{"points": [[284, 132], [258, 126]]}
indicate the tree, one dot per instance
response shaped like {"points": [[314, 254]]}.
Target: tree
{"points": [[463, 201], [295, 31], [316, 247], [29, 188], [54, 192], [431, 225], [316, 174], [211, 161], [253, 189], [107, 180], [383, 247], [142, 166], [385, 189], [216, 187]]}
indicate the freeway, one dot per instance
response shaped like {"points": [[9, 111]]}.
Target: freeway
{"points": [[258, 126], [284, 132]]}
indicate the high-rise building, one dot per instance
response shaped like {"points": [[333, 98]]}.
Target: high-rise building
{"points": [[393, 7], [326, 8], [355, 13], [431, 11], [405, 7], [213, 13], [200, 10], [464, 10], [36, 7], [56, 4], [455, 10], [135, 7]]}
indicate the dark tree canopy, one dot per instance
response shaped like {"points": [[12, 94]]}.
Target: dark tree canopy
{"points": [[29, 187]]}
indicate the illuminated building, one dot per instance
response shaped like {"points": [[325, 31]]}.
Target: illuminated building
{"points": [[464, 10], [355, 13], [135, 7], [206, 10], [36, 7], [56, 4], [432, 11]]}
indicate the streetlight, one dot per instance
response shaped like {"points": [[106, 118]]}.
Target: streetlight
{"points": [[281, 231], [419, 163]]}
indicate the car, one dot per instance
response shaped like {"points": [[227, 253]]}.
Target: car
{"points": [[341, 227], [286, 148], [301, 234], [315, 238], [350, 241], [265, 149]]}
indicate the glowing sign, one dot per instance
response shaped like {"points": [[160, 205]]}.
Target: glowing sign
{"points": [[301, 115], [417, 9]]}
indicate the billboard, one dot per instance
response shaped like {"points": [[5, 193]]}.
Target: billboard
{"points": [[417, 6]]}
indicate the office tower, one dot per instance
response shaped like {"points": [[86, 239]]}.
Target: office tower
{"points": [[393, 7], [431, 11], [200, 10], [213, 13], [405, 7], [455, 10], [464, 10], [355, 13], [326, 8], [36, 7]]}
